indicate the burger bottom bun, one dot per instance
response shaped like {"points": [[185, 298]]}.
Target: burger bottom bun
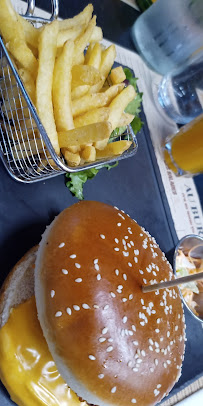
{"points": [[18, 286]]}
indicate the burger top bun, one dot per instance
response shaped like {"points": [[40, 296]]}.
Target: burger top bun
{"points": [[112, 343]]}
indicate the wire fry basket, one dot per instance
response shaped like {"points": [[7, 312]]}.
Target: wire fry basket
{"points": [[25, 148]]}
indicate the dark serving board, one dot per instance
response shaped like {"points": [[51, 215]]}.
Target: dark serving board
{"points": [[134, 186]]}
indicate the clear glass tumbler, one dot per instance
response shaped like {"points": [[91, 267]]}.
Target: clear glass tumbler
{"points": [[168, 33], [180, 93]]}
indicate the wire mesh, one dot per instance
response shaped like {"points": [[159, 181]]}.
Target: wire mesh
{"points": [[25, 148]]}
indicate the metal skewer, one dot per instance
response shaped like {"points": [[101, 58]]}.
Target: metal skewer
{"points": [[179, 281]]}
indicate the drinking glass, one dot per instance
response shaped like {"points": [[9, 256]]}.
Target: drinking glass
{"points": [[180, 92], [183, 151], [169, 32]]}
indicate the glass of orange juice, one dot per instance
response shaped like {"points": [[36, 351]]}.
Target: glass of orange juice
{"points": [[183, 151]]}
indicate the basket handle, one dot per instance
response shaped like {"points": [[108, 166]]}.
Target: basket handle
{"points": [[31, 8]]}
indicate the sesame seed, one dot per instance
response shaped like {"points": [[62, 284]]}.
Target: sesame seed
{"points": [[96, 306], [109, 349], [125, 276], [101, 376], [112, 294], [118, 224], [102, 236], [131, 296], [130, 333], [77, 265], [151, 369], [156, 361], [117, 272], [85, 306], [158, 321], [142, 323], [125, 254], [176, 328], [139, 360], [78, 280], [73, 256], [124, 299], [135, 369], [119, 214], [157, 330], [76, 307], [58, 314], [151, 341], [130, 364], [133, 328], [105, 330], [96, 267], [116, 240], [116, 249], [156, 392], [92, 357], [125, 319], [110, 340], [102, 339], [129, 264], [168, 361], [151, 348], [143, 353], [133, 400], [113, 390], [96, 261], [132, 243], [52, 293], [106, 307], [145, 281], [69, 311], [129, 245], [61, 245], [165, 365], [156, 344], [135, 342], [136, 260], [98, 277], [141, 272]]}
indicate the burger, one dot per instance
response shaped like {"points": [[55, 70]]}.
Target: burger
{"points": [[73, 315]]}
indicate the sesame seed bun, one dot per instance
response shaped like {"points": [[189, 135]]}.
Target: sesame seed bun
{"points": [[112, 343]]}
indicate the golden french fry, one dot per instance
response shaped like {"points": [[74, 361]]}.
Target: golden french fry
{"points": [[72, 159], [112, 92], [97, 35], [118, 105], [92, 116], [125, 119], [97, 87], [61, 91], [101, 144], [66, 35], [88, 102], [79, 91], [88, 52], [89, 154], [47, 54], [117, 75], [85, 75], [74, 148], [85, 135], [80, 19], [28, 82], [107, 59], [83, 39], [14, 37], [95, 56], [113, 148], [31, 33]]}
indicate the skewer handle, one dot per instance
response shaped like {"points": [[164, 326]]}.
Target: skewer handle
{"points": [[174, 282]]}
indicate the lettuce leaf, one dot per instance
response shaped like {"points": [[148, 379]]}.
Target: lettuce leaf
{"points": [[76, 180]]}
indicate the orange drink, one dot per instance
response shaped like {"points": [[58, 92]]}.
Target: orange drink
{"points": [[183, 152]]}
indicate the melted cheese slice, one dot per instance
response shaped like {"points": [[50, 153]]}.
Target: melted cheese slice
{"points": [[26, 366]]}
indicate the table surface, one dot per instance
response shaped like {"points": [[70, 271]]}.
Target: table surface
{"points": [[25, 210]]}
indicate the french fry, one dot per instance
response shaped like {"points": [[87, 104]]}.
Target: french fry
{"points": [[47, 53], [107, 59], [97, 35], [89, 154], [88, 52], [118, 105], [28, 82], [31, 33], [97, 87], [79, 91], [61, 92], [85, 135], [101, 144], [92, 116], [88, 102], [117, 75], [26, 149], [125, 119], [74, 148], [95, 56], [112, 92], [66, 35], [80, 19], [72, 159], [113, 148], [83, 39], [85, 75], [14, 37]]}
